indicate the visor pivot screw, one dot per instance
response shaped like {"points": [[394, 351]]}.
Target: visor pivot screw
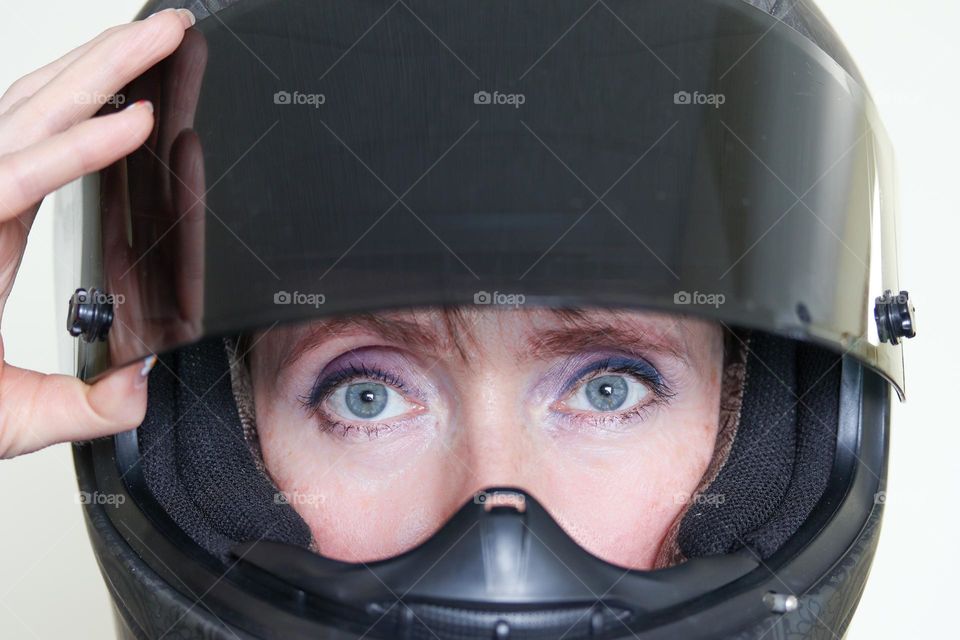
{"points": [[895, 317], [90, 315], [780, 602]]}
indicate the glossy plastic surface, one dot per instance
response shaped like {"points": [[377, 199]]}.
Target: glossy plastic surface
{"points": [[317, 158]]}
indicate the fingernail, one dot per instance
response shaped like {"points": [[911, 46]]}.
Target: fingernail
{"points": [[188, 17], [142, 104], [148, 364]]}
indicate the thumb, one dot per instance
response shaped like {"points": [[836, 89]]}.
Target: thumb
{"points": [[37, 410]]}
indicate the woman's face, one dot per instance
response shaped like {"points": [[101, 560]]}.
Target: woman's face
{"points": [[379, 428]]}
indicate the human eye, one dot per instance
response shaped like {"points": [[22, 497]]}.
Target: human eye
{"points": [[608, 393], [613, 389], [368, 400], [358, 395]]}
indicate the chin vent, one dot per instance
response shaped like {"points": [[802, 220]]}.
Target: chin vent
{"points": [[430, 621]]}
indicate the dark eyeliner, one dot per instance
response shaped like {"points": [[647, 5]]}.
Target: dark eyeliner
{"points": [[636, 367]]}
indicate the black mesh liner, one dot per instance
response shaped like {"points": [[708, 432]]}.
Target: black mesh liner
{"points": [[818, 414], [780, 461], [198, 465]]}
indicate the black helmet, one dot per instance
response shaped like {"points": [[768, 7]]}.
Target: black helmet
{"points": [[714, 158]]}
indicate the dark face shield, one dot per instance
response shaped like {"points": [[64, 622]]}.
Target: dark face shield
{"points": [[314, 161], [671, 162]]}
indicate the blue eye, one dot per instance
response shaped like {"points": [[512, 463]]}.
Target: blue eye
{"points": [[608, 393], [368, 400], [614, 385]]}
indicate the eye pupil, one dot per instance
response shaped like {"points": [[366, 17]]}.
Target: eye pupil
{"points": [[607, 393], [366, 399]]}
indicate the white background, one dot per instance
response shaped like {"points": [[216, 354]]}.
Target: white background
{"points": [[909, 53]]}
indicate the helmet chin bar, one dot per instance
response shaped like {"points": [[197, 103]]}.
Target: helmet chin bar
{"points": [[479, 577], [500, 566]]}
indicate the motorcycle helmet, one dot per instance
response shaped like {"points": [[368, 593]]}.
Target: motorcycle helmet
{"points": [[716, 159]]}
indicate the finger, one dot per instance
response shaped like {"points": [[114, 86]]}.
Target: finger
{"points": [[27, 176], [76, 92], [30, 83], [39, 410]]}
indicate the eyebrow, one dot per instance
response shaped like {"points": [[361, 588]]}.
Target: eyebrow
{"points": [[618, 332], [418, 335], [446, 332]]}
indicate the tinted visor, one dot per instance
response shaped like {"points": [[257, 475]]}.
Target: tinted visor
{"points": [[319, 158]]}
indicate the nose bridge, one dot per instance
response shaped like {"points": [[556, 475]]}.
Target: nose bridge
{"points": [[494, 435]]}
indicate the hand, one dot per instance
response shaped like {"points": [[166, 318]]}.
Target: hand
{"points": [[49, 137]]}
